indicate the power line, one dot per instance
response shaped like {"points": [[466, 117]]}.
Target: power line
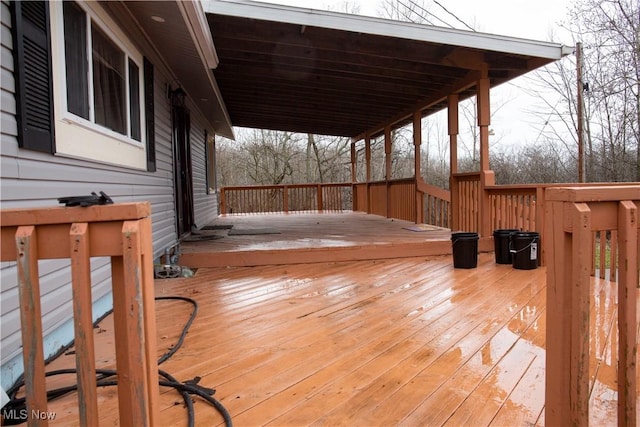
{"points": [[429, 13], [452, 14], [407, 17]]}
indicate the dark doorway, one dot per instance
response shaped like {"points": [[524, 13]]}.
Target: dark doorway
{"points": [[182, 168]]}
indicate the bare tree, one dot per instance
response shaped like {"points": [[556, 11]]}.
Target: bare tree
{"points": [[610, 33]]}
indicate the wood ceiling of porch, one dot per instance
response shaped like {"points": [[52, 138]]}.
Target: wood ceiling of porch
{"points": [[314, 79], [389, 342]]}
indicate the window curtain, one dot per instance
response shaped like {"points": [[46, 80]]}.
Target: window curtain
{"points": [[109, 85], [75, 47]]}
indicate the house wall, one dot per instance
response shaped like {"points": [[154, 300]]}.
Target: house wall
{"points": [[32, 179]]}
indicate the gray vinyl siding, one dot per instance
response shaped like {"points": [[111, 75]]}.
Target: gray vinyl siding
{"points": [[205, 205], [34, 179]]}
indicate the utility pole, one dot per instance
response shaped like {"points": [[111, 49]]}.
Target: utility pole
{"points": [[580, 113]]}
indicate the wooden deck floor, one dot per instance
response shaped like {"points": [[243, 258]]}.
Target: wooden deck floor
{"points": [[290, 238], [383, 342]]}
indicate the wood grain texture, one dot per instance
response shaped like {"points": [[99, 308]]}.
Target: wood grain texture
{"points": [[382, 342], [26, 242], [83, 323]]}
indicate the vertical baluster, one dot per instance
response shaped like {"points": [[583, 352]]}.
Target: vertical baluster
{"points": [[613, 255], [83, 324], [603, 253]]}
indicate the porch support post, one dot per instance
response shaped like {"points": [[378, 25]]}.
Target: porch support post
{"points": [[367, 155], [487, 177], [452, 110], [387, 164], [417, 143], [354, 166]]}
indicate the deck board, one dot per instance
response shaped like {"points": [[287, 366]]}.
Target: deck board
{"points": [[407, 341]]}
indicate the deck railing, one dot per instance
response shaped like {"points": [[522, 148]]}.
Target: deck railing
{"points": [[436, 204], [122, 232], [286, 198], [572, 217], [517, 206], [465, 192], [403, 199]]}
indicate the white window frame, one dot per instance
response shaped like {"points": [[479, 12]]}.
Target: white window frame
{"points": [[76, 136]]}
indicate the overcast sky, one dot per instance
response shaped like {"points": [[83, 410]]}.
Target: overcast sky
{"points": [[513, 123]]}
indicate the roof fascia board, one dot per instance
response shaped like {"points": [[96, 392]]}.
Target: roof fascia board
{"points": [[196, 20], [384, 27], [198, 27]]}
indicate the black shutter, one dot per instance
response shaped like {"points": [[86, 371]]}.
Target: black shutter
{"points": [[149, 115], [32, 69]]}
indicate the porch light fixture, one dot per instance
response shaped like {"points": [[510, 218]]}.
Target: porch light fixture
{"points": [[157, 18], [178, 97]]}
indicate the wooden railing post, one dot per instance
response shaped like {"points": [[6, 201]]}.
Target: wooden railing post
{"points": [[487, 179], [285, 199], [540, 220], [580, 313], [453, 129], [455, 203], [31, 322], [628, 283], [319, 197], [223, 202], [129, 320]]}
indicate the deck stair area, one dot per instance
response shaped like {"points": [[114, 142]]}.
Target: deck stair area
{"points": [[291, 238]]}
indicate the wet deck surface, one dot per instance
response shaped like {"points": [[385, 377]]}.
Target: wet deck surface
{"points": [[385, 342]]}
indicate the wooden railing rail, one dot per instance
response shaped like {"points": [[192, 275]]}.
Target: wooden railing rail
{"points": [[286, 198], [122, 232], [572, 216]]}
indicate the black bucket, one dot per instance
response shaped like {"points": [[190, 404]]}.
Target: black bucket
{"points": [[501, 242], [525, 250], [465, 249]]}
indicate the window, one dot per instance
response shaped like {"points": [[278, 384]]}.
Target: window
{"points": [[75, 46], [102, 80], [103, 88]]}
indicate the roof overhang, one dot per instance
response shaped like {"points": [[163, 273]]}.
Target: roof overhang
{"points": [[184, 42], [310, 71]]}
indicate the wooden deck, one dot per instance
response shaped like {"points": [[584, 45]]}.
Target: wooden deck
{"points": [[408, 341], [291, 238]]}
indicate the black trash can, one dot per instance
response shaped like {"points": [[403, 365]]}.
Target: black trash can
{"points": [[501, 242], [525, 250], [465, 249]]}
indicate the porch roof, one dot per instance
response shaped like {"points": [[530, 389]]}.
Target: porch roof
{"points": [[310, 71]]}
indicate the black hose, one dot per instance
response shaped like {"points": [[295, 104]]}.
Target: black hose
{"points": [[103, 376]]}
